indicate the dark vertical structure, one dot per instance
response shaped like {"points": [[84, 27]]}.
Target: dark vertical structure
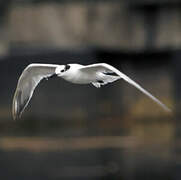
{"points": [[177, 82], [177, 103], [149, 12], [150, 17], [4, 4]]}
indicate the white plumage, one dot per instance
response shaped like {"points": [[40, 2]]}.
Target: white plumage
{"points": [[96, 74]]}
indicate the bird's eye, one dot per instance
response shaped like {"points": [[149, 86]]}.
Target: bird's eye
{"points": [[67, 67], [62, 70]]}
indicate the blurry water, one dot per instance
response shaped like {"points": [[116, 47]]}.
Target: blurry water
{"points": [[147, 149]]}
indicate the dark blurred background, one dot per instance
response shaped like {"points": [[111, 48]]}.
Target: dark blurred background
{"points": [[70, 131]]}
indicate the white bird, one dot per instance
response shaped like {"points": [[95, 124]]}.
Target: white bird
{"points": [[97, 74]]}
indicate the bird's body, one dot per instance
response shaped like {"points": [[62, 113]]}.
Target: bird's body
{"points": [[97, 74], [79, 74], [74, 75]]}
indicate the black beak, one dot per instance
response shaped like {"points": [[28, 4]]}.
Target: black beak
{"points": [[52, 76]]}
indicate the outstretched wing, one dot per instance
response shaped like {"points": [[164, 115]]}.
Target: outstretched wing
{"points": [[102, 74], [27, 83], [106, 73]]}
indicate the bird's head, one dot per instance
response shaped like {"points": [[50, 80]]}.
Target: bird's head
{"points": [[62, 69]]}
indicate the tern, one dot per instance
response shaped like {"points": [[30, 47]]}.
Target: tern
{"points": [[96, 74]]}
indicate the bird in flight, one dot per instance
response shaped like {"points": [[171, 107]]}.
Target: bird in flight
{"points": [[96, 74]]}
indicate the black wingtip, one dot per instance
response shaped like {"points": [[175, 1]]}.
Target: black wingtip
{"points": [[110, 73]]}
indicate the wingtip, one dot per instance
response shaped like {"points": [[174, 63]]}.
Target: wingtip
{"points": [[168, 110], [15, 108], [16, 116]]}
